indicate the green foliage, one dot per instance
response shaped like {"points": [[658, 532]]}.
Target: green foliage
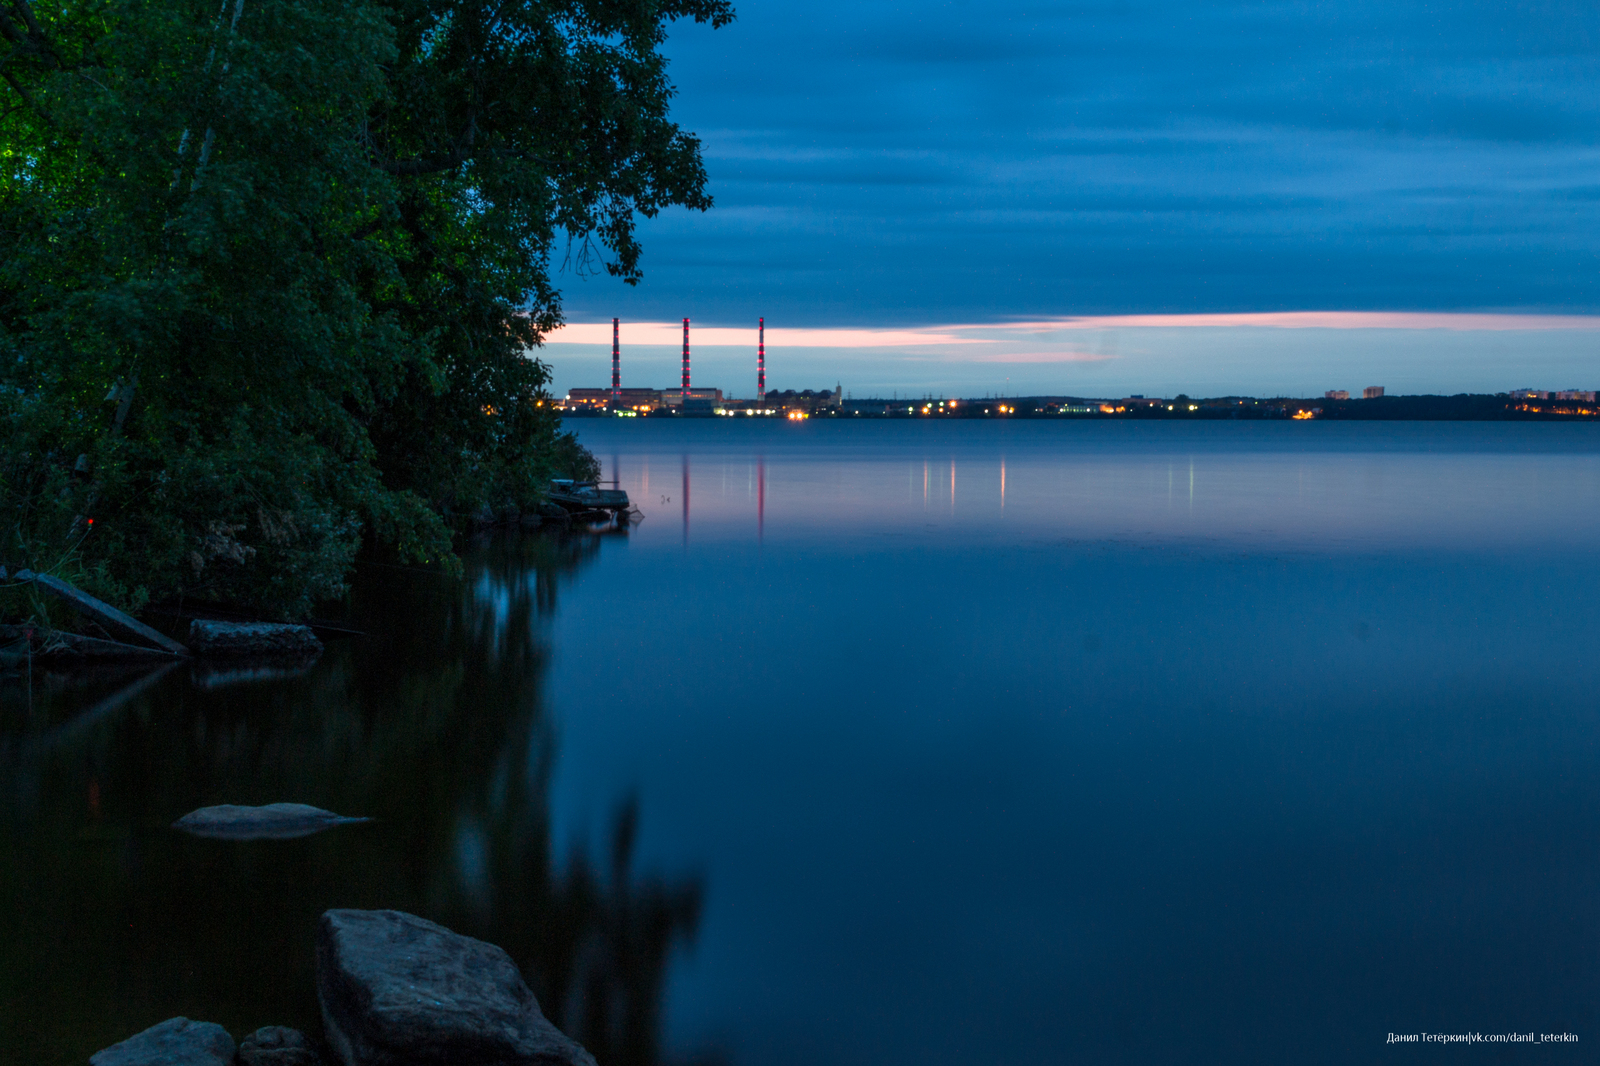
{"points": [[275, 270]]}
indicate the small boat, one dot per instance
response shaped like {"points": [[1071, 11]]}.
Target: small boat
{"points": [[576, 497]]}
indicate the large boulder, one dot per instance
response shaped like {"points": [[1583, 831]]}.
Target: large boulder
{"points": [[174, 1042], [234, 639], [397, 990], [278, 1045]]}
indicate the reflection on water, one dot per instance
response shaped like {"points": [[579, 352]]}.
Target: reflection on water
{"points": [[432, 725], [1220, 744], [1294, 487], [1013, 743]]}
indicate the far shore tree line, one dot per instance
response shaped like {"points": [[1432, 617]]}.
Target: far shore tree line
{"points": [[1461, 407], [270, 273]]}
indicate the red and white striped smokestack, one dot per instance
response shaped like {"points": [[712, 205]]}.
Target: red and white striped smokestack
{"points": [[686, 359], [616, 366], [761, 360]]}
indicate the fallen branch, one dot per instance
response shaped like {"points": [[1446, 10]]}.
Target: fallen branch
{"points": [[54, 644], [114, 620]]}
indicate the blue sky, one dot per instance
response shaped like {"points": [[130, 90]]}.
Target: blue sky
{"points": [[910, 166]]}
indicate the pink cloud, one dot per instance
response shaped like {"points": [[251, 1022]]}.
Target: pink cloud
{"points": [[1322, 320], [671, 333]]}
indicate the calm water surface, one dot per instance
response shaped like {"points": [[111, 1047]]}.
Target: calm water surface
{"points": [[899, 743]]}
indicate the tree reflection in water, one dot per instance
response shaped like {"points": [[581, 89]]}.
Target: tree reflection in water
{"points": [[432, 724]]}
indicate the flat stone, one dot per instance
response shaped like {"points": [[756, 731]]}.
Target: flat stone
{"points": [[278, 1045], [175, 1042], [275, 821], [397, 990], [208, 637]]}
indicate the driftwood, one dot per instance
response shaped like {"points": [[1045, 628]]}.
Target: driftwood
{"points": [[55, 644], [115, 621]]}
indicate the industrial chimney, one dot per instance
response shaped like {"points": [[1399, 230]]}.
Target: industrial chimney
{"points": [[761, 360], [686, 359], [616, 367]]}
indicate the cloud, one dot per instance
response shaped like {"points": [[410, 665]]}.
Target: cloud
{"points": [[1037, 357], [671, 333], [1323, 320], [878, 165], [962, 337]]}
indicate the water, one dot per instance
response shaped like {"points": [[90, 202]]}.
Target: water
{"points": [[1012, 743]]}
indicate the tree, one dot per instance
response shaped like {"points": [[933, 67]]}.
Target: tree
{"points": [[273, 269]]}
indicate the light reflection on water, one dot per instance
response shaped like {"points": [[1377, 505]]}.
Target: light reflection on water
{"points": [[1297, 487], [1112, 743]]}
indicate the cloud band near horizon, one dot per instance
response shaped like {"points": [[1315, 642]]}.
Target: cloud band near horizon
{"points": [[670, 333], [1301, 353]]}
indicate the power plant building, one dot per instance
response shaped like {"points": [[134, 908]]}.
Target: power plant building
{"points": [[641, 400]]}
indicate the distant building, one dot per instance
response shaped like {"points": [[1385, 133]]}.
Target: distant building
{"points": [[1570, 395], [1337, 394], [806, 400], [697, 398], [1372, 392], [641, 400], [580, 398]]}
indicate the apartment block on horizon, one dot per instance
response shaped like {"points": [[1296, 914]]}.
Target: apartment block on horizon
{"points": [[1574, 395], [1372, 392]]}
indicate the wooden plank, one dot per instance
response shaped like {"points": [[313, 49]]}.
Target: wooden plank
{"points": [[54, 644], [107, 615]]}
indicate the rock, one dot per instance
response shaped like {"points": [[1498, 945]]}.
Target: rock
{"points": [[397, 990], [208, 637], [275, 821], [277, 1045], [175, 1042]]}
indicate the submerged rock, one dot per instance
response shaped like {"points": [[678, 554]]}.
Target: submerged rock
{"points": [[275, 821], [174, 1042], [278, 1045], [397, 990], [207, 637]]}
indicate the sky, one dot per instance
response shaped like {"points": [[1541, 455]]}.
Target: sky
{"points": [[1115, 197]]}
